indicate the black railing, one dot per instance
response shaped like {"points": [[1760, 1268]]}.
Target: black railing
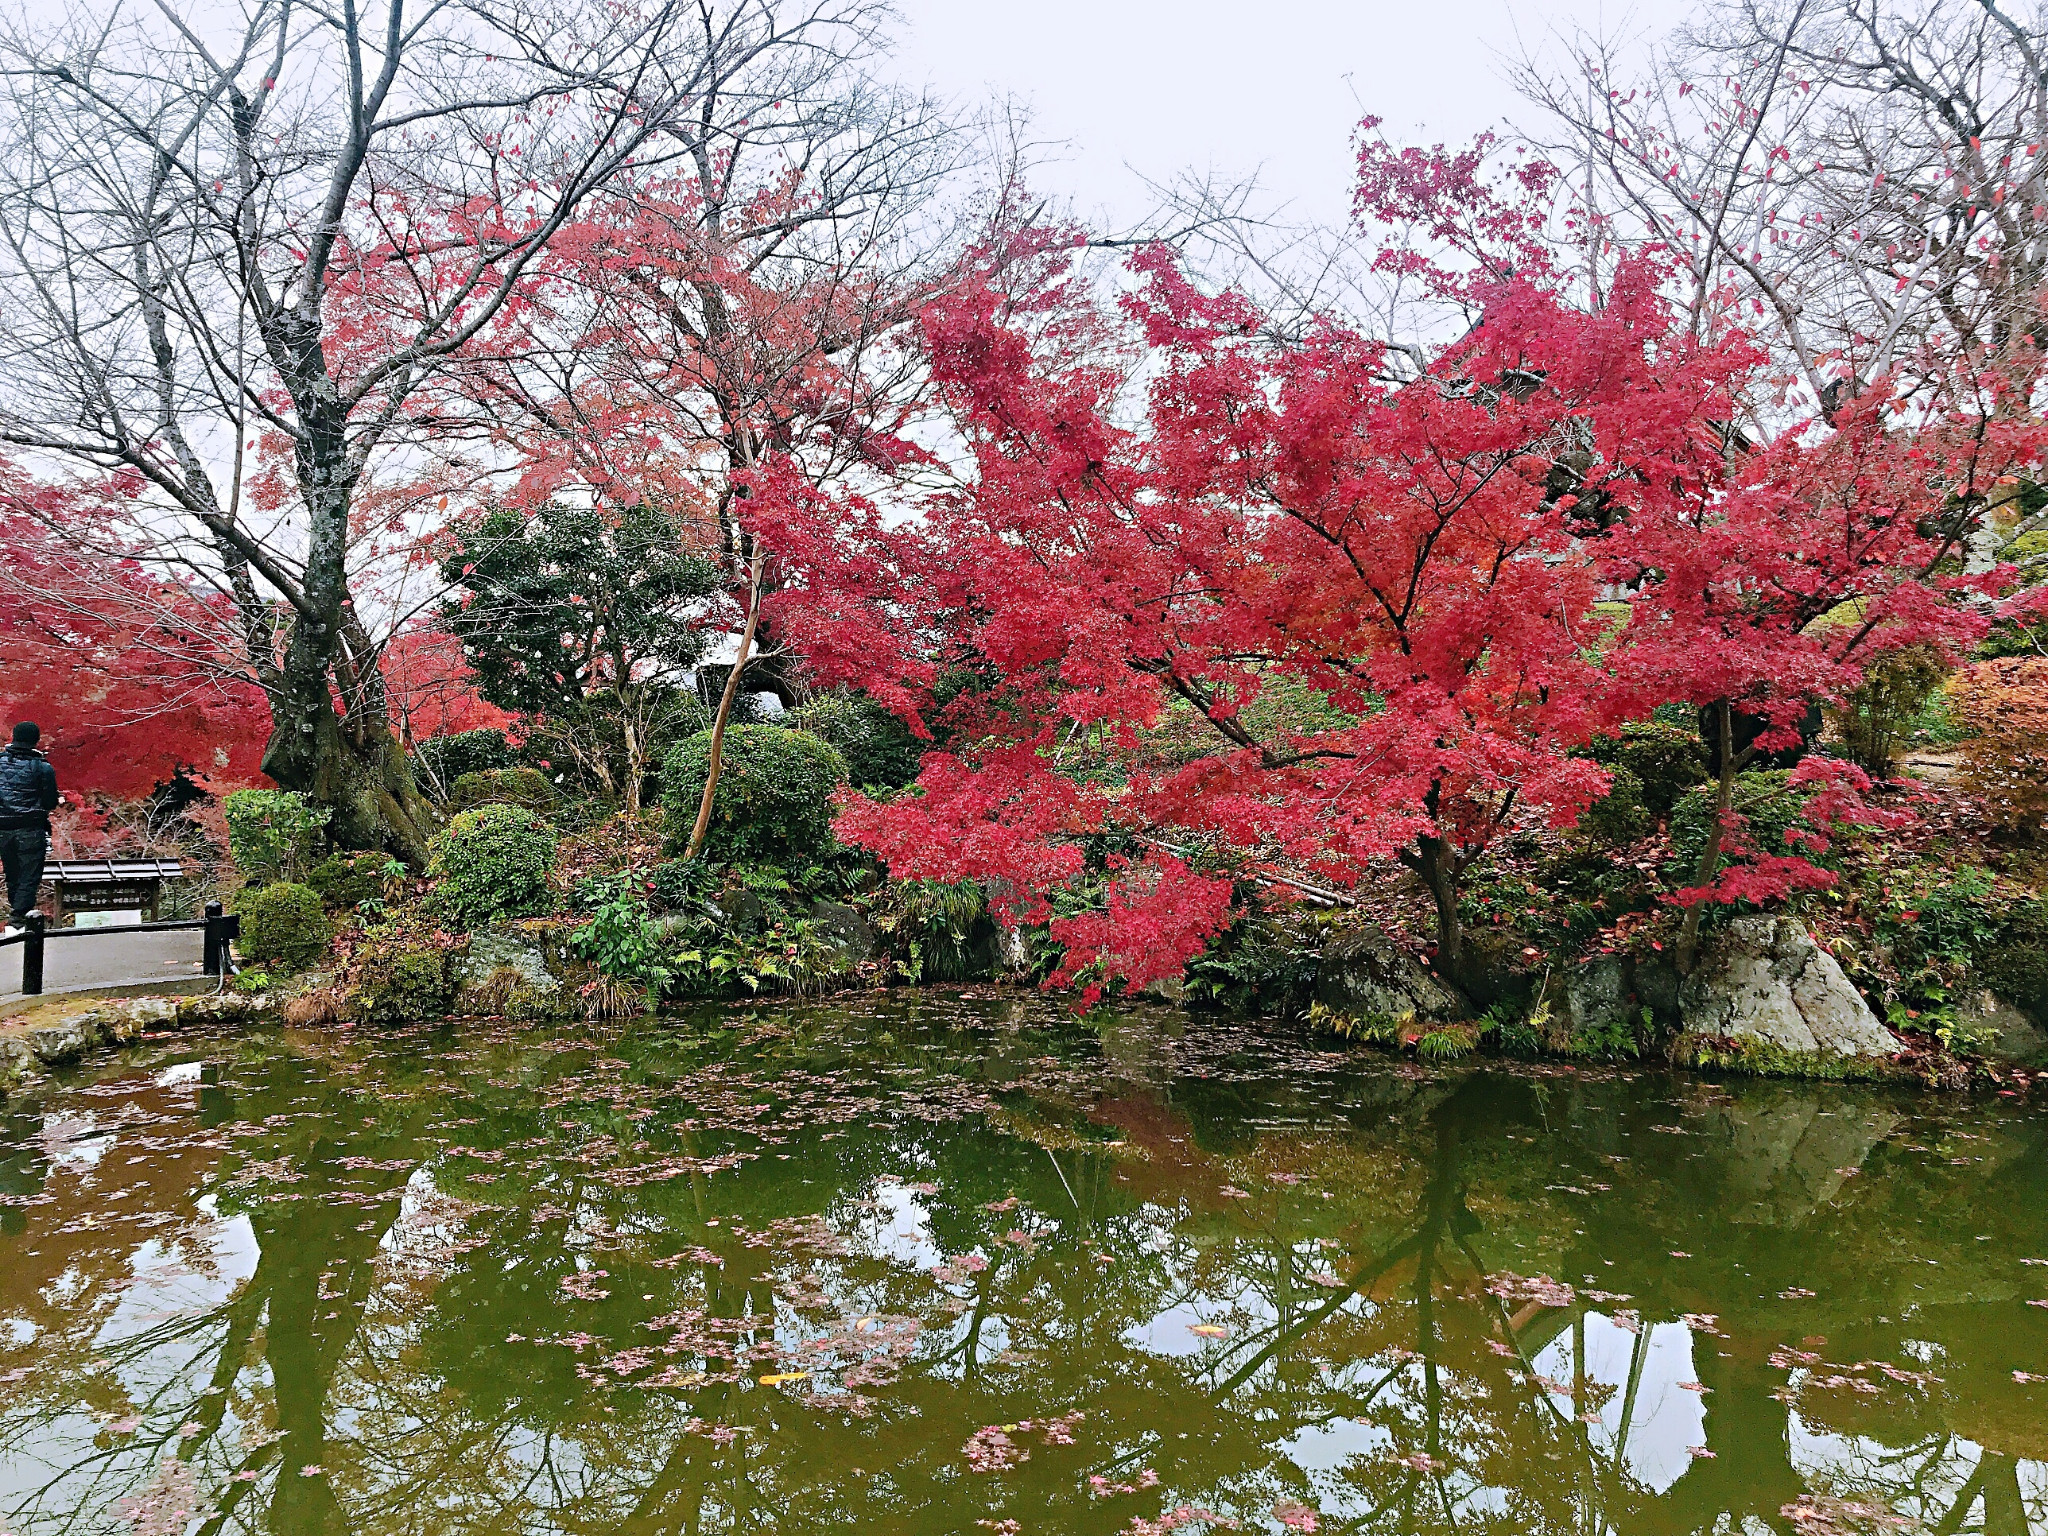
{"points": [[221, 929]]}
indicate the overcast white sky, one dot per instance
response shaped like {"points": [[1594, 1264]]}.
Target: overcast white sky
{"points": [[1162, 85]]}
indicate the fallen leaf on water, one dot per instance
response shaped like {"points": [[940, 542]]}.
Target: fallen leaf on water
{"points": [[782, 1376]]}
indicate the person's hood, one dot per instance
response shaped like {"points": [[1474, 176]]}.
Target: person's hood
{"points": [[16, 749]]}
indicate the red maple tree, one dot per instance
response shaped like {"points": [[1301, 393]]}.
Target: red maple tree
{"points": [[118, 662], [1406, 553]]}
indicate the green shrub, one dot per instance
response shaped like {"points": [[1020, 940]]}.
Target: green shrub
{"points": [[1770, 808], [1609, 1040], [346, 880], [1665, 759], [2014, 964], [282, 925], [678, 885], [450, 757], [1259, 965], [931, 928], [1619, 816], [623, 941], [528, 787], [407, 986], [1878, 718], [492, 862], [774, 799], [272, 833], [1508, 1030], [879, 750]]}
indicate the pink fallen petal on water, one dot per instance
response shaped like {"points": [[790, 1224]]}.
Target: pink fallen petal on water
{"points": [[1699, 1452]]}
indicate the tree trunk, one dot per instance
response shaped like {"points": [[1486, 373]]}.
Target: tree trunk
{"points": [[725, 703], [1710, 856], [349, 761], [1436, 862], [366, 784]]}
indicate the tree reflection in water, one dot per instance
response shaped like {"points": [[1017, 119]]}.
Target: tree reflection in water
{"points": [[481, 1281]]}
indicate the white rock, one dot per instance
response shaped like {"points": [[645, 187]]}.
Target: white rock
{"points": [[1765, 979]]}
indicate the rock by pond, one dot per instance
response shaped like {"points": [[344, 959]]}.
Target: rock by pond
{"points": [[1763, 979], [1365, 975], [950, 1263]]}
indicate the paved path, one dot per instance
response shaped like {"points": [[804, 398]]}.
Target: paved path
{"points": [[108, 957]]}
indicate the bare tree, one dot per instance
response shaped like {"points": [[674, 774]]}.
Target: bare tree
{"points": [[268, 232], [1864, 175], [752, 305]]}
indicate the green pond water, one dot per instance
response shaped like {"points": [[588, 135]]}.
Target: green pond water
{"points": [[948, 1264]]}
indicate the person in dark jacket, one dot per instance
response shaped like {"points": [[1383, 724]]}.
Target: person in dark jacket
{"points": [[28, 793]]}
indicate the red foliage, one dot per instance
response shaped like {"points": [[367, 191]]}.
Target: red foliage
{"points": [[119, 665], [1280, 513], [431, 688], [1420, 554]]}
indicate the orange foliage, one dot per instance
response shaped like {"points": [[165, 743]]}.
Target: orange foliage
{"points": [[2004, 704]]}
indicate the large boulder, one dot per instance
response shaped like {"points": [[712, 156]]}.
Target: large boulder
{"points": [[847, 930], [1598, 998], [1367, 977], [498, 963], [2003, 1032], [1764, 979]]}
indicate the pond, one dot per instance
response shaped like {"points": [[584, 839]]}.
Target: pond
{"points": [[954, 1263]]}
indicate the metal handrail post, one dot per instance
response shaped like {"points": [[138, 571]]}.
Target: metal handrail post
{"points": [[32, 955]]}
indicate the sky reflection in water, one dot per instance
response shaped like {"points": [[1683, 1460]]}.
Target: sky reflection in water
{"points": [[935, 1265]]}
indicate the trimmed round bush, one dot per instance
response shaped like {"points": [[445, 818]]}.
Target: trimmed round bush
{"points": [[346, 880], [1619, 816], [492, 862], [1666, 761], [503, 786], [774, 800], [466, 752], [282, 925], [879, 750]]}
